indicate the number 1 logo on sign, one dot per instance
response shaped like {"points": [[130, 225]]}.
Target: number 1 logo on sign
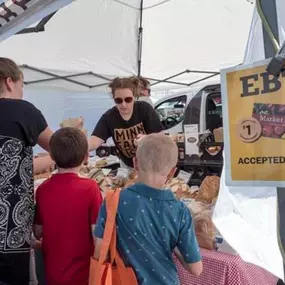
{"points": [[249, 130]]}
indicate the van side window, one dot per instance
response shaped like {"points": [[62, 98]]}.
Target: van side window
{"points": [[192, 113], [171, 111], [214, 112]]}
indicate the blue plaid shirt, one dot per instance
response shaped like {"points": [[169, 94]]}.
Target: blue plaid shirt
{"points": [[150, 224]]}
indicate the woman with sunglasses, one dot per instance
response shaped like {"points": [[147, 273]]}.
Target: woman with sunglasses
{"points": [[128, 121]]}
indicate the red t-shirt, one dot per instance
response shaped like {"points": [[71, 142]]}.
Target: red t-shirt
{"points": [[66, 207]]}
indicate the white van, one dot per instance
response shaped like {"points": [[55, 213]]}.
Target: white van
{"points": [[204, 109]]}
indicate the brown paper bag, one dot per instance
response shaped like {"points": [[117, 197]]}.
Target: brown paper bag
{"points": [[73, 123]]}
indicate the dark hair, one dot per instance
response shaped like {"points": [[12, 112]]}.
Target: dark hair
{"points": [[68, 147], [132, 83], [8, 69], [144, 83]]}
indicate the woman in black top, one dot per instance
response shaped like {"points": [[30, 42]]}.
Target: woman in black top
{"points": [[127, 121], [22, 126]]}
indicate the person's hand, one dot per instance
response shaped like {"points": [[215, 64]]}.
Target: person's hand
{"points": [[139, 136], [43, 164], [36, 244]]}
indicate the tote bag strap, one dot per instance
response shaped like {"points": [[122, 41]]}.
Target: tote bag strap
{"points": [[123, 272], [112, 202], [114, 252], [115, 256]]}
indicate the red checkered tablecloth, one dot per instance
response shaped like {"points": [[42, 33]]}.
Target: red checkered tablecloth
{"points": [[226, 269]]}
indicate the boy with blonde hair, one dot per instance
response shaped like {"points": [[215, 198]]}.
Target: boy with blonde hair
{"points": [[151, 223]]}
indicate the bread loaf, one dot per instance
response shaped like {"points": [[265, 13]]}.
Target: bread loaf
{"points": [[209, 189], [205, 230]]}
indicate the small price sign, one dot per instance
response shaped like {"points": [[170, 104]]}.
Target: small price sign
{"points": [[185, 176]]}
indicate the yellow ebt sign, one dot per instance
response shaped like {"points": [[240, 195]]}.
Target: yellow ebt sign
{"points": [[254, 121]]}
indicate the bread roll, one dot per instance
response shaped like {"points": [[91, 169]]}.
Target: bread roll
{"points": [[101, 163], [205, 230], [209, 189], [180, 189]]}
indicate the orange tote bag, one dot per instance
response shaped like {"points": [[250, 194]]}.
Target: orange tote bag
{"points": [[113, 272]]}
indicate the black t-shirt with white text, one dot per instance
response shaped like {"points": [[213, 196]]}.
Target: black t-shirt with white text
{"points": [[21, 124], [144, 120]]}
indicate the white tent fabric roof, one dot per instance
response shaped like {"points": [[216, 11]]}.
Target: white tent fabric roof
{"points": [[102, 37]]}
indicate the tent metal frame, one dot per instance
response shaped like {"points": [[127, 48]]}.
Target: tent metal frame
{"points": [[40, 27], [69, 78], [166, 80]]}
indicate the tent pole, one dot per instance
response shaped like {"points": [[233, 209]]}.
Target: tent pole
{"points": [[140, 38], [269, 9]]}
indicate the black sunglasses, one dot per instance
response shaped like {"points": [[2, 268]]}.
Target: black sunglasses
{"points": [[126, 100]]}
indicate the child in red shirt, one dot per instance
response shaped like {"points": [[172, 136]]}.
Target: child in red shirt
{"points": [[66, 210]]}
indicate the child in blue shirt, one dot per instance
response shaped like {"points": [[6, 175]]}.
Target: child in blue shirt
{"points": [[151, 222]]}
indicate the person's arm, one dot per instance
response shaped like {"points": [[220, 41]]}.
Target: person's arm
{"points": [[42, 164], [37, 227], [94, 142], [151, 120], [100, 134], [36, 244], [188, 251], [99, 230], [38, 231], [195, 268], [35, 126], [96, 202], [44, 138], [98, 245]]}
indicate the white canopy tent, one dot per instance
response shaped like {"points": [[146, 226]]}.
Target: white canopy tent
{"points": [[90, 42]]}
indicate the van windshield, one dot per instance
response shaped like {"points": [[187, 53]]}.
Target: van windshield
{"points": [[171, 111]]}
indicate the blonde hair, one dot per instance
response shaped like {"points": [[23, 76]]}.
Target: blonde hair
{"points": [[156, 153], [131, 83]]}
